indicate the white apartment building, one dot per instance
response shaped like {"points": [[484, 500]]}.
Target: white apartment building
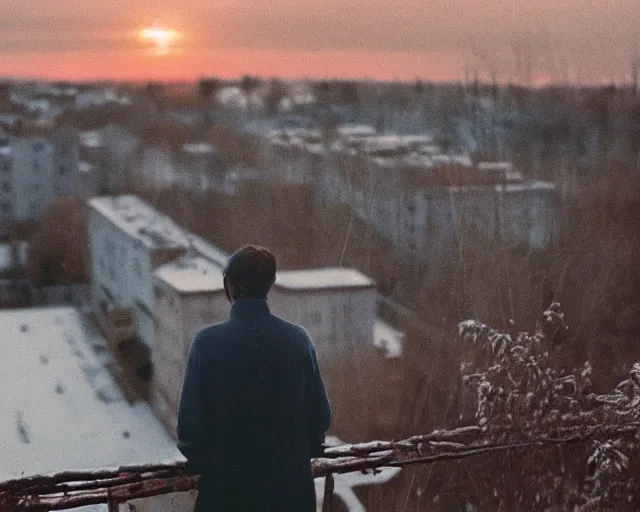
{"points": [[189, 295], [27, 177], [37, 165], [128, 240], [337, 306], [172, 283]]}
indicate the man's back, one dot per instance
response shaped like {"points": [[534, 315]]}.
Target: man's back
{"points": [[252, 413]]}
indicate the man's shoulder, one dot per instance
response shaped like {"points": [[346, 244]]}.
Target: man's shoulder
{"points": [[290, 327], [210, 333]]}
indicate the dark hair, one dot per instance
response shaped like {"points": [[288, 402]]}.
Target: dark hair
{"points": [[250, 271]]}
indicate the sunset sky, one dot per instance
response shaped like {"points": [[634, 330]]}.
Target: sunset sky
{"points": [[516, 40]]}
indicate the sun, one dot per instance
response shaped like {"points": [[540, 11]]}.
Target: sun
{"points": [[163, 40]]}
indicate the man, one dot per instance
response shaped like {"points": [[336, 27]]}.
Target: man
{"points": [[254, 408]]}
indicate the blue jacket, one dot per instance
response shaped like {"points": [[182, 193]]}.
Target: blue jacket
{"points": [[253, 411]]}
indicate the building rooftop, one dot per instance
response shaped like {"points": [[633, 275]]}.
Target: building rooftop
{"points": [[141, 221], [66, 410], [90, 139], [191, 274], [322, 278], [84, 167], [198, 147]]}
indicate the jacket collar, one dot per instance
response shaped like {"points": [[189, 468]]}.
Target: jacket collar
{"points": [[243, 308]]}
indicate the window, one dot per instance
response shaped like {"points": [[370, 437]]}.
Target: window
{"points": [[6, 208], [6, 166], [6, 186], [38, 147], [36, 166]]}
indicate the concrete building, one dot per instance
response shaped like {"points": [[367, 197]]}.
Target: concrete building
{"points": [[128, 240], [170, 283], [337, 306], [28, 184], [38, 163], [189, 295], [424, 202]]}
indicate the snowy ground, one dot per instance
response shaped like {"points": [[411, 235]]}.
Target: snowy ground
{"points": [[61, 409]]}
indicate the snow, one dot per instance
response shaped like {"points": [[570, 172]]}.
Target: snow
{"points": [[90, 139], [344, 483], [197, 147], [84, 167], [507, 188], [321, 278], [191, 274], [388, 339], [209, 251], [61, 409], [495, 166], [356, 130], [141, 221]]}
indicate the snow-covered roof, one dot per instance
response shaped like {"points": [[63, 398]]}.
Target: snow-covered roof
{"points": [[356, 130], [506, 188], [529, 185], [388, 339], [197, 147], [5, 150], [209, 251], [322, 278], [90, 139], [495, 166], [84, 167], [463, 160], [61, 408], [141, 221], [191, 274]]}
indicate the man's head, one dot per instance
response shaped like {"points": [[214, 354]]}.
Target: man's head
{"points": [[249, 273]]}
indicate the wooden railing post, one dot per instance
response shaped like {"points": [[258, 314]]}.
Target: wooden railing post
{"points": [[112, 504], [327, 500]]}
